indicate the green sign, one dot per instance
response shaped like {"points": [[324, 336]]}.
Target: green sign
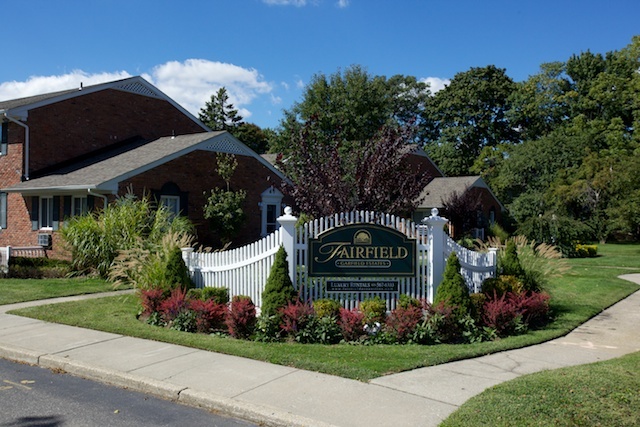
{"points": [[358, 250]]}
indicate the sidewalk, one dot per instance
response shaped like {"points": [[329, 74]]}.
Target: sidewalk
{"points": [[279, 395]]}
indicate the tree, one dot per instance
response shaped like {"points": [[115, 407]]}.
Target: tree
{"points": [[224, 206], [326, 179], [252, 136], [219, 114], [461, 209], [469, 114], [279, 290], [354, 104]]}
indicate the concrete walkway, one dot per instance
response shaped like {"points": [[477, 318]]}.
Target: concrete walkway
{"points": [[280, 395]]}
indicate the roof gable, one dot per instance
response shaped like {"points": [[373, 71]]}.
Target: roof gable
{"points": [[19, 108], [441, 189]]}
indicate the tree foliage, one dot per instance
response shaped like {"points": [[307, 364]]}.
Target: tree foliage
{"points": [[219, 114], [326, 178]]}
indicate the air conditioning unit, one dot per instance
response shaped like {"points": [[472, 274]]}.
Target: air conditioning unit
{"points": [[44, 240]]}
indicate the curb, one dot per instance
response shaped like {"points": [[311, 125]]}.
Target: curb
{"points": [[261, 415]]}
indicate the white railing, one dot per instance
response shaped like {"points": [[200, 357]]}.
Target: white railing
{"points": [[244, 271], [5, 252], [475, 266], [8, 252]]}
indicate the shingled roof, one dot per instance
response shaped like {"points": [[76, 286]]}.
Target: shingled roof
{"points": [[104, 174], [441, 189]]}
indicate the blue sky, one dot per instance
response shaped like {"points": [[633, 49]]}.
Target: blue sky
{"points": [[265, 51]]}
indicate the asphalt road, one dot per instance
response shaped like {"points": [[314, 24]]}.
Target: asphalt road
{"points": [[31, 396]]}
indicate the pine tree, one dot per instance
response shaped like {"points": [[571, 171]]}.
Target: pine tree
{"points": [[279, 290], [453, 290]]}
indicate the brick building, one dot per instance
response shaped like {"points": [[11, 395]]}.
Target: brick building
{"points": [[68, 152]]}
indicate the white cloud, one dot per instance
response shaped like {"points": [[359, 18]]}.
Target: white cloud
{"points": [[36, 85], [343, 3], [190, 83], [436, 84]]}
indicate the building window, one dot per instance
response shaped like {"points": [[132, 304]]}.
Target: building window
{"points": [[80, 206], [3, 210], [171, 203], [492, 215], [46, 212], [4, 141]]}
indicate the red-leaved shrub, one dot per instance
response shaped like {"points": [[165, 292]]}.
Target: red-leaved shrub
{"points": [[151, 300], [402, 322], [174, 305], [241, 318], [533, 307], [351, 322], [443, 323], [210, 315], [294, 316]]}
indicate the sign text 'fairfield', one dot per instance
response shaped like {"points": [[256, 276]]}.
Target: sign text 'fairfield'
{"points": [[357, 250]]}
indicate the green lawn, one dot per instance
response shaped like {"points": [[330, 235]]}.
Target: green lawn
{"points": [[599, 394], [583, 292], [20, 290]]}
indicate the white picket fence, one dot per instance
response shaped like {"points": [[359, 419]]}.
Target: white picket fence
{"points": [[244, 271]]}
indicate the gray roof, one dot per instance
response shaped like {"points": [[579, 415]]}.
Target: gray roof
{"points": [[440, 189], [104, 175]]}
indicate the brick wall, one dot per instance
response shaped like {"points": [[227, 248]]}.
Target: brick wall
{"points": [[196, 174], [83, 124]]}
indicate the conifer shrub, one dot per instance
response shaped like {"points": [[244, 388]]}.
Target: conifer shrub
{"points": [[176, 270], [508, 262], [279, 290], [241, 318], [453, 290], [327, 307]]}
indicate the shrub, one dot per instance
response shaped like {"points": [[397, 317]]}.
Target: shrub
{"points": [[586, 251], [556, 230], [151, 301], [267, 329], [38, 268], [350, 323], [294, 317], [533, 307], [171, 307], [502, 314], [219, 295], [441, 324], [374, 310], [176, 271], [95, 239], [210, 315], [406, 301], [402, 322], [185, 321], [508, 262], [241, 318], [477, 302], [453, 290], [321, 330], [326, 308], [501, 285], [279, 290]]}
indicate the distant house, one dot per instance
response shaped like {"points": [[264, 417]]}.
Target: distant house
{"points": [[441, 190], [66, 153]]}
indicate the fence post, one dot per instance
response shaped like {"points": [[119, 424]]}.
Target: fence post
{"points": [[435, 243], [288, 230], [186, 257]]}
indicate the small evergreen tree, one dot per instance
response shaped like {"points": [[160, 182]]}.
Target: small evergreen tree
{"points": [[177, 272], [279, 290], [508, 263], [453, 290]]}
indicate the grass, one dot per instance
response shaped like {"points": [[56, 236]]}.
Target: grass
{"points": [[580, 294], [21, 290], [599, 394]]}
